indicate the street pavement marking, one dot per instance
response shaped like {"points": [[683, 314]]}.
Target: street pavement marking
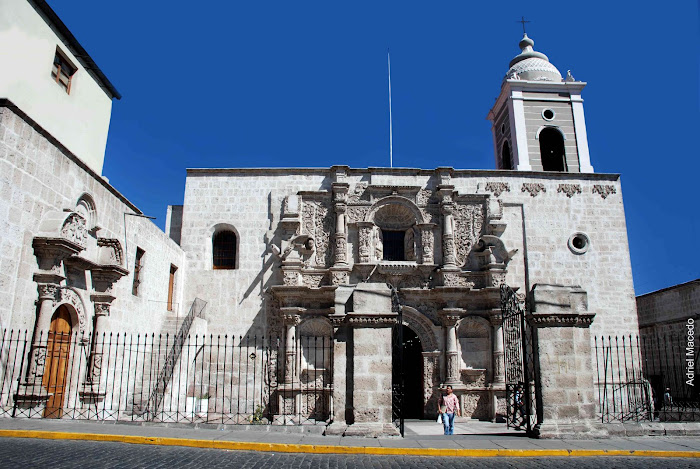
{"points": [[331, 449]]}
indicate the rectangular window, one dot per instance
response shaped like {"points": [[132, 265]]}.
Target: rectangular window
{"points": [[171, 287], [394, 245], [138, 265], [63, 71]]}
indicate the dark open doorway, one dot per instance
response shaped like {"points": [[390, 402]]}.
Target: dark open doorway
{"points": [[413, 374]]}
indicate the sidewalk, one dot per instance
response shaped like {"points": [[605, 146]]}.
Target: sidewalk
{"points": [[422, 438]]}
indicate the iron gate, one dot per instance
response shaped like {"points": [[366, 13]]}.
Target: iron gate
{"points": [[520, 367], [397, 378]]}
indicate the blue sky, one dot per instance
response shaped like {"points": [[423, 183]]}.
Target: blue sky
{"points": [[275, 84]]}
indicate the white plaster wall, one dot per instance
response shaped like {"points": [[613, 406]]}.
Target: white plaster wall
{"points": [[35, 178], [79, 120]]}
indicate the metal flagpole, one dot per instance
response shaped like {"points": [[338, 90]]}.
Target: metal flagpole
{"points": [[391, 137]]}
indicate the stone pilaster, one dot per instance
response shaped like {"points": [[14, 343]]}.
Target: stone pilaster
{"points": [[427, 241], [562, 322], [365, 249]]}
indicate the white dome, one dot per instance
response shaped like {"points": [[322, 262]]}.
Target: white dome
{"points": [[531, 65]]}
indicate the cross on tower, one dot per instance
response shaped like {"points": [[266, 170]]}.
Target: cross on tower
{"points": [[522, 20]]}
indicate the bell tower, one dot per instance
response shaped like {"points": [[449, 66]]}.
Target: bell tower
{"points": [[538, 122]]}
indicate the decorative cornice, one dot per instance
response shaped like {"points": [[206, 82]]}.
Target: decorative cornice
{"points": [[497, 187], [569, 189], [533, 188], [372, 320], [562, 320], [603, 190]]}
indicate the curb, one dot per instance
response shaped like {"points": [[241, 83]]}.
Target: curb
{"points": [[331, 449]]}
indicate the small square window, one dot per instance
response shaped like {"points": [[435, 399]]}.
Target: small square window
{"points": [[63, 71]]}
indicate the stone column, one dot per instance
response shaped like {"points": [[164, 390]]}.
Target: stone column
{"points": [[427, 242], [340, 270], [291, 371], [449, 318], [47, 296], [445, 192], [449, 259], [561, 325], [91, 391]]}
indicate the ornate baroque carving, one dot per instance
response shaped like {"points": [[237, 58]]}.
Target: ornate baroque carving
{"points": [[357, 193], [365, 248], [357, 213], [533, 188], [291, 278], [111, 251], [497, 187], [341, 249], [39, 359], [312, 280], [47, 291], [102, 309], [603, 190], [570, 320], [469, 220], [424, 196], [318, 223], [339, 277], [74, 230], [427, 246], [394, 216], [569, 189], [66, 295]]}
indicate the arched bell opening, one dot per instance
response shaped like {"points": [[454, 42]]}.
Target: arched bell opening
{"points": [[552, 150]]}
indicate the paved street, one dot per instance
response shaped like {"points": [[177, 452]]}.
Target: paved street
{"points": [[30, 453]]}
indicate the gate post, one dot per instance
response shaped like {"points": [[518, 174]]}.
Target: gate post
{"points": [[565, 370]]}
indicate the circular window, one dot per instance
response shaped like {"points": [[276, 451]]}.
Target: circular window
{"points": [[579, 243], [548, 114], [503, 129]]}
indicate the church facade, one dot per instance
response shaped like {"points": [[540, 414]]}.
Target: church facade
{"points": [[345, 255]]}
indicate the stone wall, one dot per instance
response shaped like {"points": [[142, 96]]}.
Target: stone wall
{"points": [[542, 212], [668, 310], [39, 176]]}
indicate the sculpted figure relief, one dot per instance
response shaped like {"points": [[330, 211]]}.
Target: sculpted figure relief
{"points": [[378, 245]]}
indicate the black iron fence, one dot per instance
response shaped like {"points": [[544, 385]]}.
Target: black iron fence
{"points": [[649, 378], [216, 379]]}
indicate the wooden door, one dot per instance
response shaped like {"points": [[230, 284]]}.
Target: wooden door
{"points": [[56, 368]]}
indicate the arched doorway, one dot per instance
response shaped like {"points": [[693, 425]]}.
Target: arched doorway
{"points": [[413, 374], [56, 367]]}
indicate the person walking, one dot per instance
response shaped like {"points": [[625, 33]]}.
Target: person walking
{"points": [[448, 407]]}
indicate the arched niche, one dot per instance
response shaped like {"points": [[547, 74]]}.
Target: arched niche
{"points": [[395, 213], [315, 343], [87, 208], [395, 235], [474, 337]]}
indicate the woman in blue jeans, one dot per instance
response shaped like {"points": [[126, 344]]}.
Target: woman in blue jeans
{"points": [[449, 406]]}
